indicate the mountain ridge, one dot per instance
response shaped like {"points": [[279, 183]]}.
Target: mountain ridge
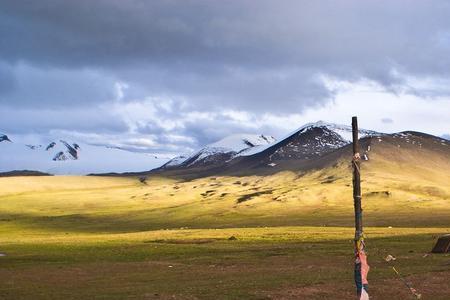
{"points": [[311, 146], [308, 141]]}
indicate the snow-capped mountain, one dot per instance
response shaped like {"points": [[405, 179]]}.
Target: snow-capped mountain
{"points": [[313, 140], [221, 151], [307, 145], [308, 142], [64, 157]]}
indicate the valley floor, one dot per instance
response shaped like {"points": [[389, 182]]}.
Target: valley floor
{"points": [[286, 236]]}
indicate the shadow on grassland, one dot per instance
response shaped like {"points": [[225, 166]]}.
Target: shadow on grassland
{"points": [[170, 218]]}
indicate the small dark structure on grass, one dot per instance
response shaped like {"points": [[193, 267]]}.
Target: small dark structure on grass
{"points": [[442, 244]]}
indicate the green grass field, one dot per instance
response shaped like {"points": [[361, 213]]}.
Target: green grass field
{"points": [[115, 238]]}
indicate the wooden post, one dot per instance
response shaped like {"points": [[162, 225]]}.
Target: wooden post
{"points": [[357, 180], [361, 265]]}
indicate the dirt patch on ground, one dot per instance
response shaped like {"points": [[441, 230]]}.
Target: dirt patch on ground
{"points": [[433, 285]]}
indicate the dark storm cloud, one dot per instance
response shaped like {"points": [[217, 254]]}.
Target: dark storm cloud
{"points": [[232, 51], [254, 56], [258, 33]]}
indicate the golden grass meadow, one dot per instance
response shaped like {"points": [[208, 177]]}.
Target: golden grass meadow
{"points": [[282, 236]]}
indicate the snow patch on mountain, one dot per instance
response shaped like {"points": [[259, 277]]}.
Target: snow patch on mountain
{"points": [[178, 160], [239, 142], [4, 138], [344, 131]]}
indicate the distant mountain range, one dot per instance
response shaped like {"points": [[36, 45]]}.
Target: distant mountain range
{"points": [[67, 158], [312, 146], [307, 142]]}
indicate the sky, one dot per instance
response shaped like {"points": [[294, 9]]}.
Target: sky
{"points": [[171, 76]]}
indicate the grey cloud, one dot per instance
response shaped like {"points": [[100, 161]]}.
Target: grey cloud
{"points": [[7, 79], [207, 56], [55, 88], [209, 130], [200, 131], [193, 45], [131, 142], [41, 121], [195, 131], [236, 88], [387, 120], [263, 33]]}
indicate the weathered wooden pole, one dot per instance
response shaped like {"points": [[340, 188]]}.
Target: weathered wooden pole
{"points": [[357, 180], [361, 266]]}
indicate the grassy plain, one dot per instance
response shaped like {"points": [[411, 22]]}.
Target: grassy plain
{"points": [[115, 238]]}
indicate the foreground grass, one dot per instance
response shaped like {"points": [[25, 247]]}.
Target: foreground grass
{"points": [[115, 238], [263, 263]]}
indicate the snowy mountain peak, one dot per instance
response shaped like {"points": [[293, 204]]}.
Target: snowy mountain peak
{"points": [[222, 150], [4, 138], [313, 140], [309, 140], [345, 131]]}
